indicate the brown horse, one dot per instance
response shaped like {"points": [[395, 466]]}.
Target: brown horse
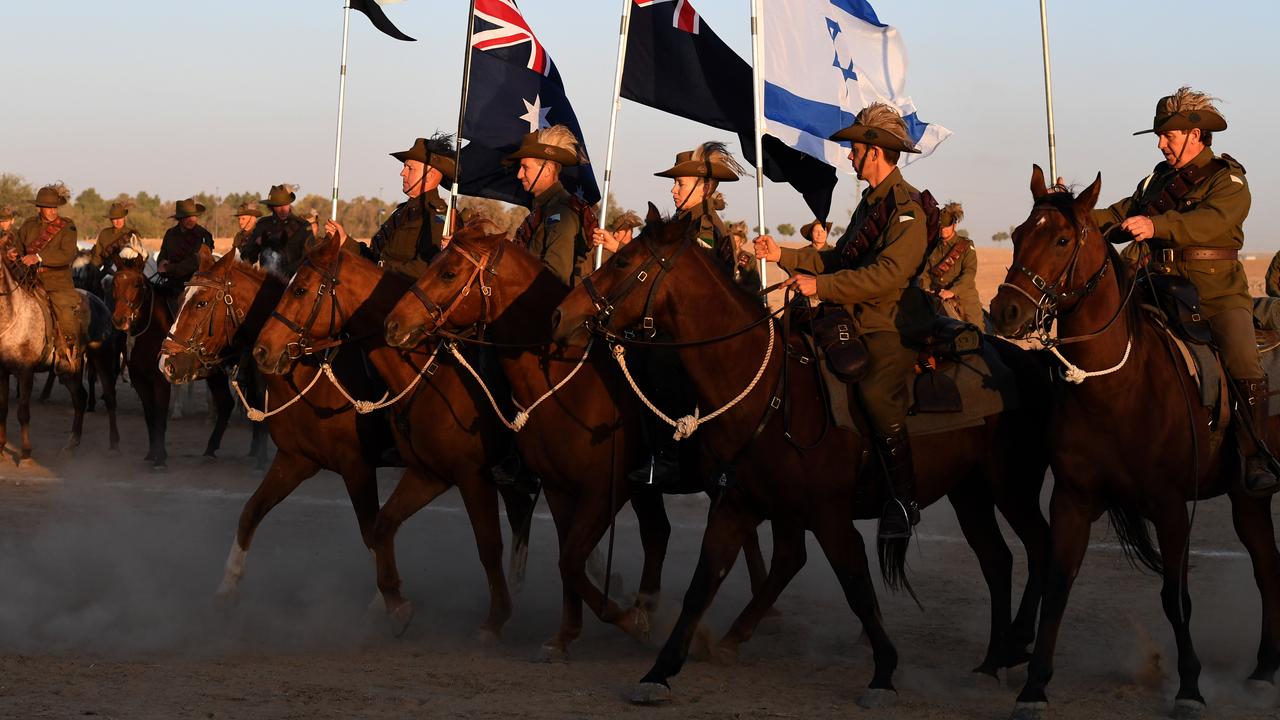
{"points": [[581, 440], [815, 482], [224, 310], [436, 423], [1154, 454], [145, 316]]}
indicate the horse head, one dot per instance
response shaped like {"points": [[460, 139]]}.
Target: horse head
{"points": [[628, 290], [1058, 258], [309, 310], [213, 308], [129, 287], [466, 285]]}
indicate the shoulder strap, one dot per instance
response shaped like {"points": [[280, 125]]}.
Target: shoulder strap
{"points": [[952, 257], [47, 234], [1161, 197]]}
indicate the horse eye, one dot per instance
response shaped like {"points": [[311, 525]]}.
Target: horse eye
{"points": [[1062, 242], [449, 275], [299, 291], [201, 304]]}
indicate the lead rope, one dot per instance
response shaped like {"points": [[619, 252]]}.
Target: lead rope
{"points": [[1075, 375], [522, 417], [256, 415], [364, 407], [688, 424]]}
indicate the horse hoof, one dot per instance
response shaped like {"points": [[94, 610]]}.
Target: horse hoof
{"points": [[637, 626], [1186, 709], [1260, 693], [647, 601], [68, 450], [985, 675], [552, 654], [875, 698], [724, 655], [400, 618], [650, 693], [488, 638], [1029, 711], [159, 466], [771, 623], [227, 598]]}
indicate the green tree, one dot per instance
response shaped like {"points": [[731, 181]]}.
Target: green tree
{"points": [[786, 229], [1000, 236]]}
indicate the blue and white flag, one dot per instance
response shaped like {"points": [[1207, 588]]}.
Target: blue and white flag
{"points": [[824, 60]]}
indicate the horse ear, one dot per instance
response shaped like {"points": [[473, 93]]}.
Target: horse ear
{"points": [[225, 260], [1038, 188], [206, 259], [1088, 199], [653, 214]]}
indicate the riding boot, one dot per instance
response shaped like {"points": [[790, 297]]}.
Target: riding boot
{"points": [[64, 359], [1258, 480], [901, 512]]}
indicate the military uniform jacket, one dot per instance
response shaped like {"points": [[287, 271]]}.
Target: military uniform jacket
{"points": [[241, 241], [960, 278], [558, 240], [711, 229], [871, 287], [290, 237], [109, 242], [181, 248], [1211, 215], [412, 236], [1273, 277], [55, 257]]}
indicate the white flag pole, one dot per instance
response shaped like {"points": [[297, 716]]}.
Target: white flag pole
{"points": [[342, 99], [1048, 91], [757, 87], [624, 29], [462, 113]]}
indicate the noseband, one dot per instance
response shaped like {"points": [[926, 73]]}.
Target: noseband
{"points": [[303, 345], [601, 321], [234, 317]]}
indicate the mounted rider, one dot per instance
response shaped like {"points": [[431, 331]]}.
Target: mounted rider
{"points": [[281, 232], [247, 218], [951, 269], [47, 244], [867, 272], [554, 229], [179, 256], [1190, 212], [112, 238], [7, 215]]}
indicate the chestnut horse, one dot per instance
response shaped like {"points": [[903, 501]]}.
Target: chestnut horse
{"points": [[145, 316], [581, 439], [822, 480], [1152, 456], [437, 426]]}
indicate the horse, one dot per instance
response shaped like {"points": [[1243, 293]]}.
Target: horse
{"points": [[1138, 466], [141, 312], [88, 277], [793, 467], [26, 346], [335, 303], [581, 441]]}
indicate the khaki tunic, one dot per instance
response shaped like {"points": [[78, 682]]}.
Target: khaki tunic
{"points": [[108, 244], [412, 235], [241, 241], [961, 279], [290, 237], [55, 271], [558, 240], [872, 293], [181, 249], [1273, 276], [712, 234]]}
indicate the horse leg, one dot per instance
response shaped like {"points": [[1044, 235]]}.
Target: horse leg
{"points": [[481, 501], [1021, 509], [286, 473], [563, 512], [976, 515], [1070, 515], [91, 381], [47, 391], [162, 391], [148, 401], [789, 555], [1172, 531], [411, 494], [590, 521], [26, 379], [220, 392], [728, 525], [655, 533], [102, 368], [520, 506], [754, 557], [75, 385], [1255, 528], [4, 407]]}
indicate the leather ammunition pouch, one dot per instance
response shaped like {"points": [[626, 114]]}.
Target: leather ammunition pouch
{"points": [[950, 337], [1179, 300], [845, 352]]}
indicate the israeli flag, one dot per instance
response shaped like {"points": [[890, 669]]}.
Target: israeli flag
{"points": [[824, 60]]}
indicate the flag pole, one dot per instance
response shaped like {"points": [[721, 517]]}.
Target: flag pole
{"points": [[1048, 91], [757, 59], [462, 112], [342, 99], [624, 29]]}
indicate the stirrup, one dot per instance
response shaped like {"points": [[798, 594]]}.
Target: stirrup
{"points": [[1260, 480], [895, 521]]}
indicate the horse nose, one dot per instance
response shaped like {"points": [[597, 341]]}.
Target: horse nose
{"points": [[1007, 317], [556, 317], [260, 356], [393, 331]]}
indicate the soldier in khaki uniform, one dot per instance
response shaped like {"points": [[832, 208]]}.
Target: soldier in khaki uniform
{"points": [[870, 287], [49, 242], [6, 224], [1190, 212], [553, 230], [816, 233], [179, 256], [247, 218], [1273, 277], [414, 233], [281, 232], [112, 238], [951, 270]]}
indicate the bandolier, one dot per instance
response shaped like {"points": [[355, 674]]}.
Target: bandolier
{"points": [[951, 268], [52, 242], [559, 223], [414, 233], [111, 239]]}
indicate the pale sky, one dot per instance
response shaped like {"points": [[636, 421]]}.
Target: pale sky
{"points": [[180, 97]]}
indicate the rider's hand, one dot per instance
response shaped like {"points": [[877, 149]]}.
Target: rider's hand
{"points": [[946, 294], [819, 235], [806, 285], [333, 227], [1140, 227], [12, 254], [603, 238], [767, 249], [31, 259]]}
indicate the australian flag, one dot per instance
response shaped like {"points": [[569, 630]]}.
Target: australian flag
{"points": [[514, 90], [677, 64]]}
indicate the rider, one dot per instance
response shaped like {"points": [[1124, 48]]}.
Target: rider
{"points": [[6, 224], [870, 286], [179, 256], [618, 235], [111, 239], [1191, 212], [247, 218], [49, 241], [282, 232], [951, 270], [553, 229]]}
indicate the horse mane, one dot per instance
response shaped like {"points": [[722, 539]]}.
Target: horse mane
{"points": [[723, 275]]}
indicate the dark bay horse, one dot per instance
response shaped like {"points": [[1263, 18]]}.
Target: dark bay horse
{"points": [[583, 437], [89, 278], [823, 480], [1153, 454], [444, 438], [145, 316], [25, 348]]}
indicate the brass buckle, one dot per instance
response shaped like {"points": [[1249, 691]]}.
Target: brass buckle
{"points": [[1166, 255]]}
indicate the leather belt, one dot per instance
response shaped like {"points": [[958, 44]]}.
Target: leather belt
{"points": [[1191, 254]]}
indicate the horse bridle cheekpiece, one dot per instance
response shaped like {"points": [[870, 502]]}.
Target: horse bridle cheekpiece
{"points": [[483, 269], [224, 300], [328, 288], [601, 321]]}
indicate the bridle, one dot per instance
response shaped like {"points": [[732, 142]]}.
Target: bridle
{"points": [[304, 344], [601, 322], [484, 268], [146, 295], [223, 299]]}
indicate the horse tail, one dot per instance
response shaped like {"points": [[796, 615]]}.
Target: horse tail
{"points": [[893, 566], [1134, 535]]}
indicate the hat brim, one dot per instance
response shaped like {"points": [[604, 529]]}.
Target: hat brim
{"points": [[60, 203], [698, 169], [874, 136], [250, 213], [180, 215], [538, 151], [277, 202], [1206, 120], [806, 230]]}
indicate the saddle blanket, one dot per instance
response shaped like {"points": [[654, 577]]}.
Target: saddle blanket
{"points": [[1204, 366]]}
